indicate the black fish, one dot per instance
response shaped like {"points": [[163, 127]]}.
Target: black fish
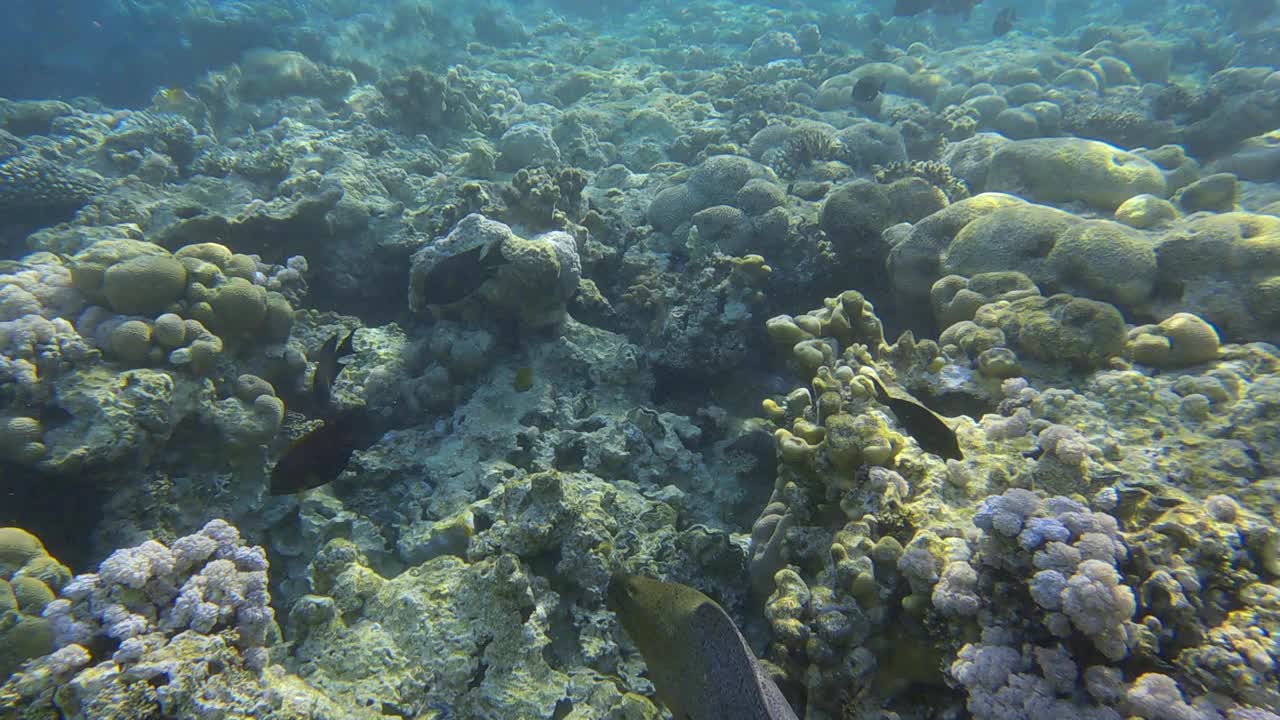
{"points": [[457, 276], [327, 367], [867, 89], [1004, 21], [320, 455], [907, 8], [930, 431]]}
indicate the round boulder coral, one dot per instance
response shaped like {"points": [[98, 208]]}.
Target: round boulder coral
{"points": [[20, 439], [1058, 329], [1016, 238], [1105, 261], [238, 305], [279, 318], [1073, 170], [131, 342], [1180, 340], [214, 253], [170, 331], [144, 285], [854, 216], [17, 548], [1144, 211]]}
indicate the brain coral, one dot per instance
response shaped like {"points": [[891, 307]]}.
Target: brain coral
{"points": [[1104, 260], [715, 182], [1059, 328], [131, 341], [239, 305], [1073, 170], [1018, 238], [28, 580], [144, 284]]}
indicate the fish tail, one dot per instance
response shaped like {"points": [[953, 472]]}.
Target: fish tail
{"points": [[882, 395]]}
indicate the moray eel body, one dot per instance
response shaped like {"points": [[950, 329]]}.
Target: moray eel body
{"points": [[699, 663]]}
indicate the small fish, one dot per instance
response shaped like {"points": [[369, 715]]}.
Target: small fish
{"points": [[523, 380], [699, 664], [930, 431], [320, 455], [1004, 21], [457, 276], [327, 367], [867, 89]]}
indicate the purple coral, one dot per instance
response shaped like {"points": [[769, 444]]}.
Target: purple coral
{"points": [[1099, 605], [1006, 513], [203, 583]]}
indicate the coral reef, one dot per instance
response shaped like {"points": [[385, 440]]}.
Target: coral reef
{"points": [[1017, 460]]}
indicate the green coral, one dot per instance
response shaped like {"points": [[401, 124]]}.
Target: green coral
{"points": [[1105, 261], [131, 342], [144, 284], [28, 581], [864, 439], [21, 439], [1178, 341], [1073, 170], [238, 306], [1059, 328]]}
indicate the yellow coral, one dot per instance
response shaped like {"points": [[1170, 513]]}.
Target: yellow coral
{"points": [[145, 284], [131, 342]]}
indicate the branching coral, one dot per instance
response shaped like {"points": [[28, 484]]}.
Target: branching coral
{"points": [[935, 173]]}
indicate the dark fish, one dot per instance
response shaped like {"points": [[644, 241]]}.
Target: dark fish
{"points": [[930, 431], [867, 89], [908, 8], [321, 454], [457, 276], [1004, 21], [327, 367], [698, 662]]}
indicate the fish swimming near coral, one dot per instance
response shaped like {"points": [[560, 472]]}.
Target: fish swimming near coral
{"points": [[930, 431], [867, 89], [320, 455], [457, 276], [699, 663], [1004, 21], [327, 367]]}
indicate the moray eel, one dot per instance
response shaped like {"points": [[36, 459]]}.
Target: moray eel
{"points": [[699, 663]]}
